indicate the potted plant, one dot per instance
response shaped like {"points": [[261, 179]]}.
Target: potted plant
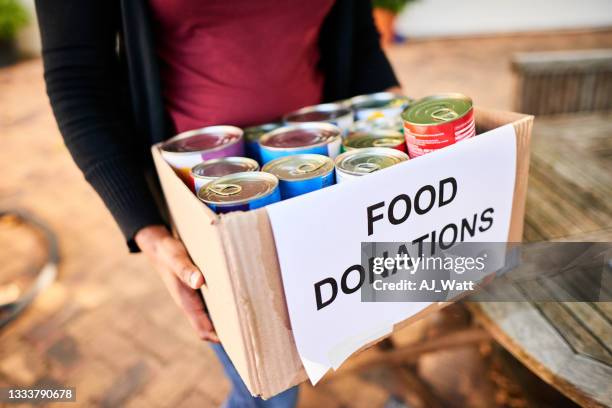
{"points": [[12, 18], [385, 12]]}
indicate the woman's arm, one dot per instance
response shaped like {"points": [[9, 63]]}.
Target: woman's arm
{"points": [[83, 80], [372, 71]]}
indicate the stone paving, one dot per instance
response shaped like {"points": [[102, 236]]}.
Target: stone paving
{"points": [[107, 327]]}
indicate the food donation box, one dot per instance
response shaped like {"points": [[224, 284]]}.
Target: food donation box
{"points": [[283, 281]]}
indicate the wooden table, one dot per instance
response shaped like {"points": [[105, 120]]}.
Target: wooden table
{"points": [[569, 345]]}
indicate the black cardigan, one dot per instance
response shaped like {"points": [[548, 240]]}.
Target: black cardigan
{"points": [[103, 83]]}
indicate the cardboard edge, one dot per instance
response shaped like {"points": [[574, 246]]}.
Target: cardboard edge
{"points": [[523, 128], [194, 220], [254, 278]]}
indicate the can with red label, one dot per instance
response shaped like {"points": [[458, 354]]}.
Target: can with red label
{"points": [[187, 149], [438, 121]]}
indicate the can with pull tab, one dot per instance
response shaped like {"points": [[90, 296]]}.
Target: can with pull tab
{"points": [[438, 121], [361, 162], [240, 192], [210, 170], [302, 173]]}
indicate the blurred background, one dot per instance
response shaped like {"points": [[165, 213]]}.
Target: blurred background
{"points": [[100, 320]]}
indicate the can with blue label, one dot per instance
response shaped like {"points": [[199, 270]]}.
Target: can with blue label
{"points": [[302, 173], [240, 192], [210, 170], [304, 138], [336, 114], [253, 134]]}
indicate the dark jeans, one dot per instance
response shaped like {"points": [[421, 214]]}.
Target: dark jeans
{"points": [[240, 397]]}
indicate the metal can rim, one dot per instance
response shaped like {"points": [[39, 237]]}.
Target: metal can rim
{"points": [[355, 101], [250, 161], [305, 126], [250, 129], [387, 151], [268, 165], [449, 95], [271, 177], [376, 132], [204, 130], [322, 107]]}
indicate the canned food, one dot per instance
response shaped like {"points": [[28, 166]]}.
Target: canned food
{"points": [[305, 138], [187, 149], [378, 105], [359, 162], [253, 134], [240, 192], [438, 121], [210, 170], [302, 173], [376, 138], [334, 113], [379, 123]]}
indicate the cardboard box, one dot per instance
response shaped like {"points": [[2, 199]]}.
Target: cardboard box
{"points": [[244, 291]]}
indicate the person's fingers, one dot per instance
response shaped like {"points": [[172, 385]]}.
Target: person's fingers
{"points": [[191, 304], [174, 255]]}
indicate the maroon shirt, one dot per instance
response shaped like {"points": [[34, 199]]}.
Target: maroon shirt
{"points": [[237, 62]]}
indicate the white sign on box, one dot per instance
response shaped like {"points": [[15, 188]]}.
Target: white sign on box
{"points": [[347, 214]]}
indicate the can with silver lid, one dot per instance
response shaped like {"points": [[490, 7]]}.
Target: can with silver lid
{"points": [[302, 173], [334, 113], [240, 192], [378, 105], [360, 162], [375, 138], [187, 149], [379, 123], [438, 121], [305, 138], [210, 170], [253, 134]]}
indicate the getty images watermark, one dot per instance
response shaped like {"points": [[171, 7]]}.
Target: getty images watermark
{"points": [[485, 271], [410, 265]]}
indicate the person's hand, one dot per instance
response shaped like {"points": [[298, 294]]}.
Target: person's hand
{"points": [[179, 274]]}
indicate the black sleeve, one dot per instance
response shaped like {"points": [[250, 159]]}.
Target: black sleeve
{"points": [[82, 75], [372, 71]]}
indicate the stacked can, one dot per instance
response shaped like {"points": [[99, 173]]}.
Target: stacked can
{"points": [[253, 134], [336, 114], [438, 121], [378, 105], [360, 162], [302, 173], [375, 138], [240, 192], [210, 170], [187, 149], [378, 123], [305, 138]]}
